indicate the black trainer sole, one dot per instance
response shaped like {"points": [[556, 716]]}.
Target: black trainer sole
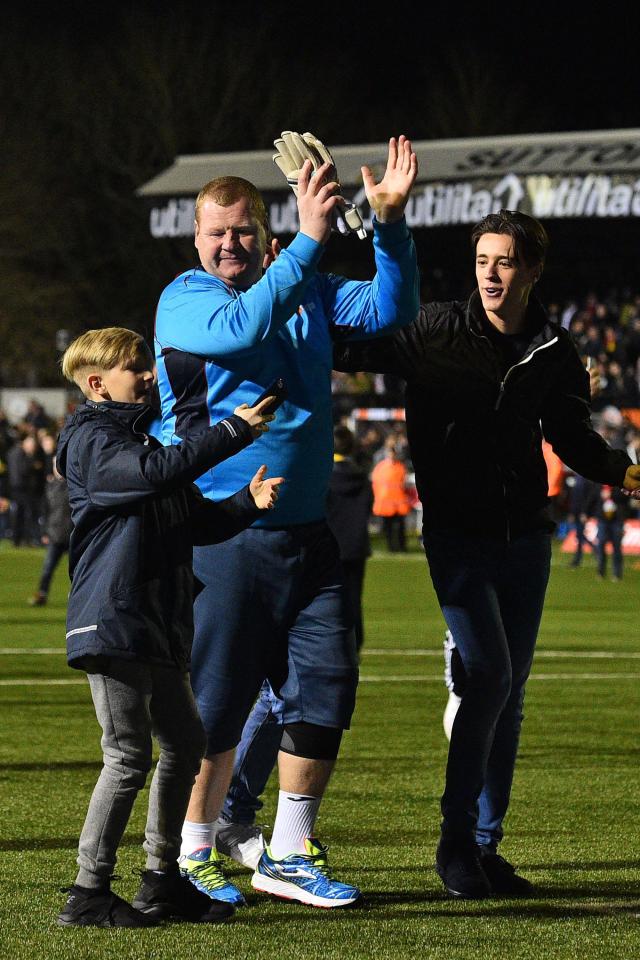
{"points": [[481, 893], [63, 922], [167, 911]]}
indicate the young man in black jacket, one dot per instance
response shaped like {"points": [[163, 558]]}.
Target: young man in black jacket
{"points": [[486, 379], [136, 516]]}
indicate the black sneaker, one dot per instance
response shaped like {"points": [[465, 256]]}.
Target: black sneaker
{"points": [[170, 895], [100, 908], [503, 878], [459, 868]]}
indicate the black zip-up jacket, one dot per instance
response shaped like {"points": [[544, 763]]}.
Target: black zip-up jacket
{"points": [[136, 516], [475, 433]]}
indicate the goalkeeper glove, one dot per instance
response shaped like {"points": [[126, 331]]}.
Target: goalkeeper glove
{"points": [[293, 149]]}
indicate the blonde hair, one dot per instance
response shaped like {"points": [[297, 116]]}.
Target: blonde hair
{"points": [[103, 349], [227, 190]]}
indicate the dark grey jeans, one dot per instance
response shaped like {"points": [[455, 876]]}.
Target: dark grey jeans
{"points": [[135, 701]]}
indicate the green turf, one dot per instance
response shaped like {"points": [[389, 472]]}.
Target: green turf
{"points": [[573, 827]]}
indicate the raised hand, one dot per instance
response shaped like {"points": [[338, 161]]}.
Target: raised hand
{"points": [[255, 417], [317, 198], [265, 492], [388, 198]]}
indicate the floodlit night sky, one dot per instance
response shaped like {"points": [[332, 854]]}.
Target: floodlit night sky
{"points": [[100, 98], [416, 69]]}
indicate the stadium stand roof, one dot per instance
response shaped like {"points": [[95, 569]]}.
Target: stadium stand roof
{"points": [[610, 151]]}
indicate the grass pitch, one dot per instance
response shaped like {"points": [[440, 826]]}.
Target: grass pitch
{"points": [[573, 827]]}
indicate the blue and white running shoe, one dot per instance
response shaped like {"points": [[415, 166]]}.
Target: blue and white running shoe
{"points": [[203, 868], [303, 876]]}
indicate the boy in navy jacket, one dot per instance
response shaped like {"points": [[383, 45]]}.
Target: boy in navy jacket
{"points": [[136, 515]]}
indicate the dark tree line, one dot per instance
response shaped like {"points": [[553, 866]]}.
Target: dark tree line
{"points": [[97, 100]]}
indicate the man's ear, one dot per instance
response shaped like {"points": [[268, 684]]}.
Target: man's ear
{"points": [[271, 253], [196, 230]]}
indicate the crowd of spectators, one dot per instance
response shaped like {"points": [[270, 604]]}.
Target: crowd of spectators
{"points": [[606, 330], [27, 450]]}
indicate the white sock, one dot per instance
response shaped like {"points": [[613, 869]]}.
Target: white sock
{"points": [[295, 820], [195, 835]]}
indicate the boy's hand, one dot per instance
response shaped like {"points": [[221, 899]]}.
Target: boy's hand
{"points": [[255, 417], [265, 492]]}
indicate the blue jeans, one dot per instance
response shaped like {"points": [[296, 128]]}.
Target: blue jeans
{"points": [[53, 555], [491, 595], [256, 756]]}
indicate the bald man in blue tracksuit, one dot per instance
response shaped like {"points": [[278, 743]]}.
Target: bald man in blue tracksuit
{"points": [[272, 604]]}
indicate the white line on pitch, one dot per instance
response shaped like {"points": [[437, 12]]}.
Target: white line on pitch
{"points": [[534, 676], [409, 678], [41, 683], [375, 652], [37, 651], [539, 655]]}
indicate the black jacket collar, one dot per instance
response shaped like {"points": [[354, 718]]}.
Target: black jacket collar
{"points": [[138, 414], [537, 320]]}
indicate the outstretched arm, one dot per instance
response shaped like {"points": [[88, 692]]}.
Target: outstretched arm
{"points": [[391, 300], [118, 470]]}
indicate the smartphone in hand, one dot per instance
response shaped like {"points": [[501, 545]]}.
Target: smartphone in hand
{"points": [[277, 390]]}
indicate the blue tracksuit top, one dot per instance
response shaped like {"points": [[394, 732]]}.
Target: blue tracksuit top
{"points": [[217, 347]]}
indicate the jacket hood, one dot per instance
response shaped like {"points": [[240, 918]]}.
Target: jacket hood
{"points": [[131, 415]]}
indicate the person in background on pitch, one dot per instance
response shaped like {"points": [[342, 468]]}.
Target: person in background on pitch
{"points": [[611, 509], [349, 506], [224, 332], [57, 531], [349, 503], [487, 378], [390, 497], [136, 515], [582, 501]]}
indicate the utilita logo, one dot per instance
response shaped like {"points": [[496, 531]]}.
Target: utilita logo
{"points": [[447, 203]]}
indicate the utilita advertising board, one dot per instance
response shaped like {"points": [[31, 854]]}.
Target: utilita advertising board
{"points": [[560, 176]]}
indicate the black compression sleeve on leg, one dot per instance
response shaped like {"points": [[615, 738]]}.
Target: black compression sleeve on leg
{"points": [[311, 741]]}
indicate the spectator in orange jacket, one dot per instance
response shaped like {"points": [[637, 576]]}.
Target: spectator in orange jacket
{"points": [[390, 497]]}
